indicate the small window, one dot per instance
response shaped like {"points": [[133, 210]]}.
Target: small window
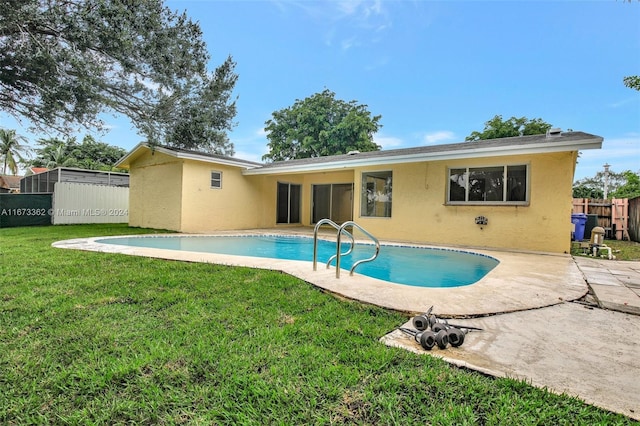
{"points": [[488, 185], [216, 180], [376, 194]]}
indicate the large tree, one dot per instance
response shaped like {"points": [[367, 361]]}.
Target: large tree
{"points": [[64, 62], [90, 154], [499, 128], [320, 125], [630, 188], [11, 150]]}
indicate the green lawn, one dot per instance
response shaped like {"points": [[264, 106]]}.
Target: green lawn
{"points": [[622, 250], [96, 338]]}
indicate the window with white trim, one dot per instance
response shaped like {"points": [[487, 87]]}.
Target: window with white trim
{"points": [[216, 180], [489, 185]]}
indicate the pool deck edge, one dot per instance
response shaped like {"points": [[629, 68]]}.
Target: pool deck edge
{"points": [[521, 281]]}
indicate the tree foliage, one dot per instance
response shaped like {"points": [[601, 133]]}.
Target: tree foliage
{"points": [[90, 154], [320, 125], [620, 185], [64, 62], [587, 190], [629, 189], [11, 150], [632, 82], [498, 128]]}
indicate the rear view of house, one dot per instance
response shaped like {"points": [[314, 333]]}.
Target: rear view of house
{"points": [[509, 193]]}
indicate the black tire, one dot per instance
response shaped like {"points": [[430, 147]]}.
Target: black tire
{"points": [[427, 340], [456, 337], [420, 322], [442, 339]]}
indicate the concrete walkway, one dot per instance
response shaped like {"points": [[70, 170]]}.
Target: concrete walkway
{"points": [[590, 351], [614, 284]]}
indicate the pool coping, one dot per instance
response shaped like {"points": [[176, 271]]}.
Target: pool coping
{"points": [[521, 281]]}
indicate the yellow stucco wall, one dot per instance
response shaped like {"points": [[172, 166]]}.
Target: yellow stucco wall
{"points": [[170, 193], [419, 212], [155, 191], [238, 204]]}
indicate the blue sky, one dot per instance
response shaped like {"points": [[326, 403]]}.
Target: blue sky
{"points": [[435, 71]]}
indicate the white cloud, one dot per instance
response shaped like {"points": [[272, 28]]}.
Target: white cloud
{"points": [[249, 156], [251, 147], [388, 142], [348, 43], [362, 10], [622, 153], [350, 21], [622, 103], [377, 63], [441, 136], [348, 7]]}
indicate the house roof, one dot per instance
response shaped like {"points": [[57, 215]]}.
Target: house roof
{"points": [[535, 144], [125, 161], [36, 170], [10, 182]]}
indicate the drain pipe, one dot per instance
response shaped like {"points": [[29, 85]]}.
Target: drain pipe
{"points": [[596, 249]]}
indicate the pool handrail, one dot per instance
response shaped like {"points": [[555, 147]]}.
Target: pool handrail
{"points": [[364, 231], [315, 242]]}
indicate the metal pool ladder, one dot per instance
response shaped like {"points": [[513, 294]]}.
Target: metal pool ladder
{"points": [[342, 230]]}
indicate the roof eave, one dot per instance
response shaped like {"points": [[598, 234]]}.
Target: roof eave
{"points": [[547, 147], [189, 156], [124, 162]]}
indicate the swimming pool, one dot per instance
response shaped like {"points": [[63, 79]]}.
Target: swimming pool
{"points": [[409, 265]]}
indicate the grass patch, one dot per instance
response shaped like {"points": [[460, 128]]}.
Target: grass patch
{"points": [[622, 250], [104, 338]]}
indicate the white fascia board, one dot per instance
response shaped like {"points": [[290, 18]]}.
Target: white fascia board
{"points": [[128, 155], [548, 147], [196, 157], [183, 155]]}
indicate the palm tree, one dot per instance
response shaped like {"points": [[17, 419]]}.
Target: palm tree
{"points": [[59, 157], [11, 150]]}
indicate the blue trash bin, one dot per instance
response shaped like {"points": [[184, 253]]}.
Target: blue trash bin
{"points": [[579, 220]]}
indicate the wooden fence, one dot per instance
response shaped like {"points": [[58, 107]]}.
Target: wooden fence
{"points": [[612, 215], [634, 219]]}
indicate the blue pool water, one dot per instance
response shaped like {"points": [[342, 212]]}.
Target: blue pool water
{"points": [[416, 266]]}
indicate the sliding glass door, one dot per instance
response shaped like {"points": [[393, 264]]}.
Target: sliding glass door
{"points": [[288, 203], [332, 201]]}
